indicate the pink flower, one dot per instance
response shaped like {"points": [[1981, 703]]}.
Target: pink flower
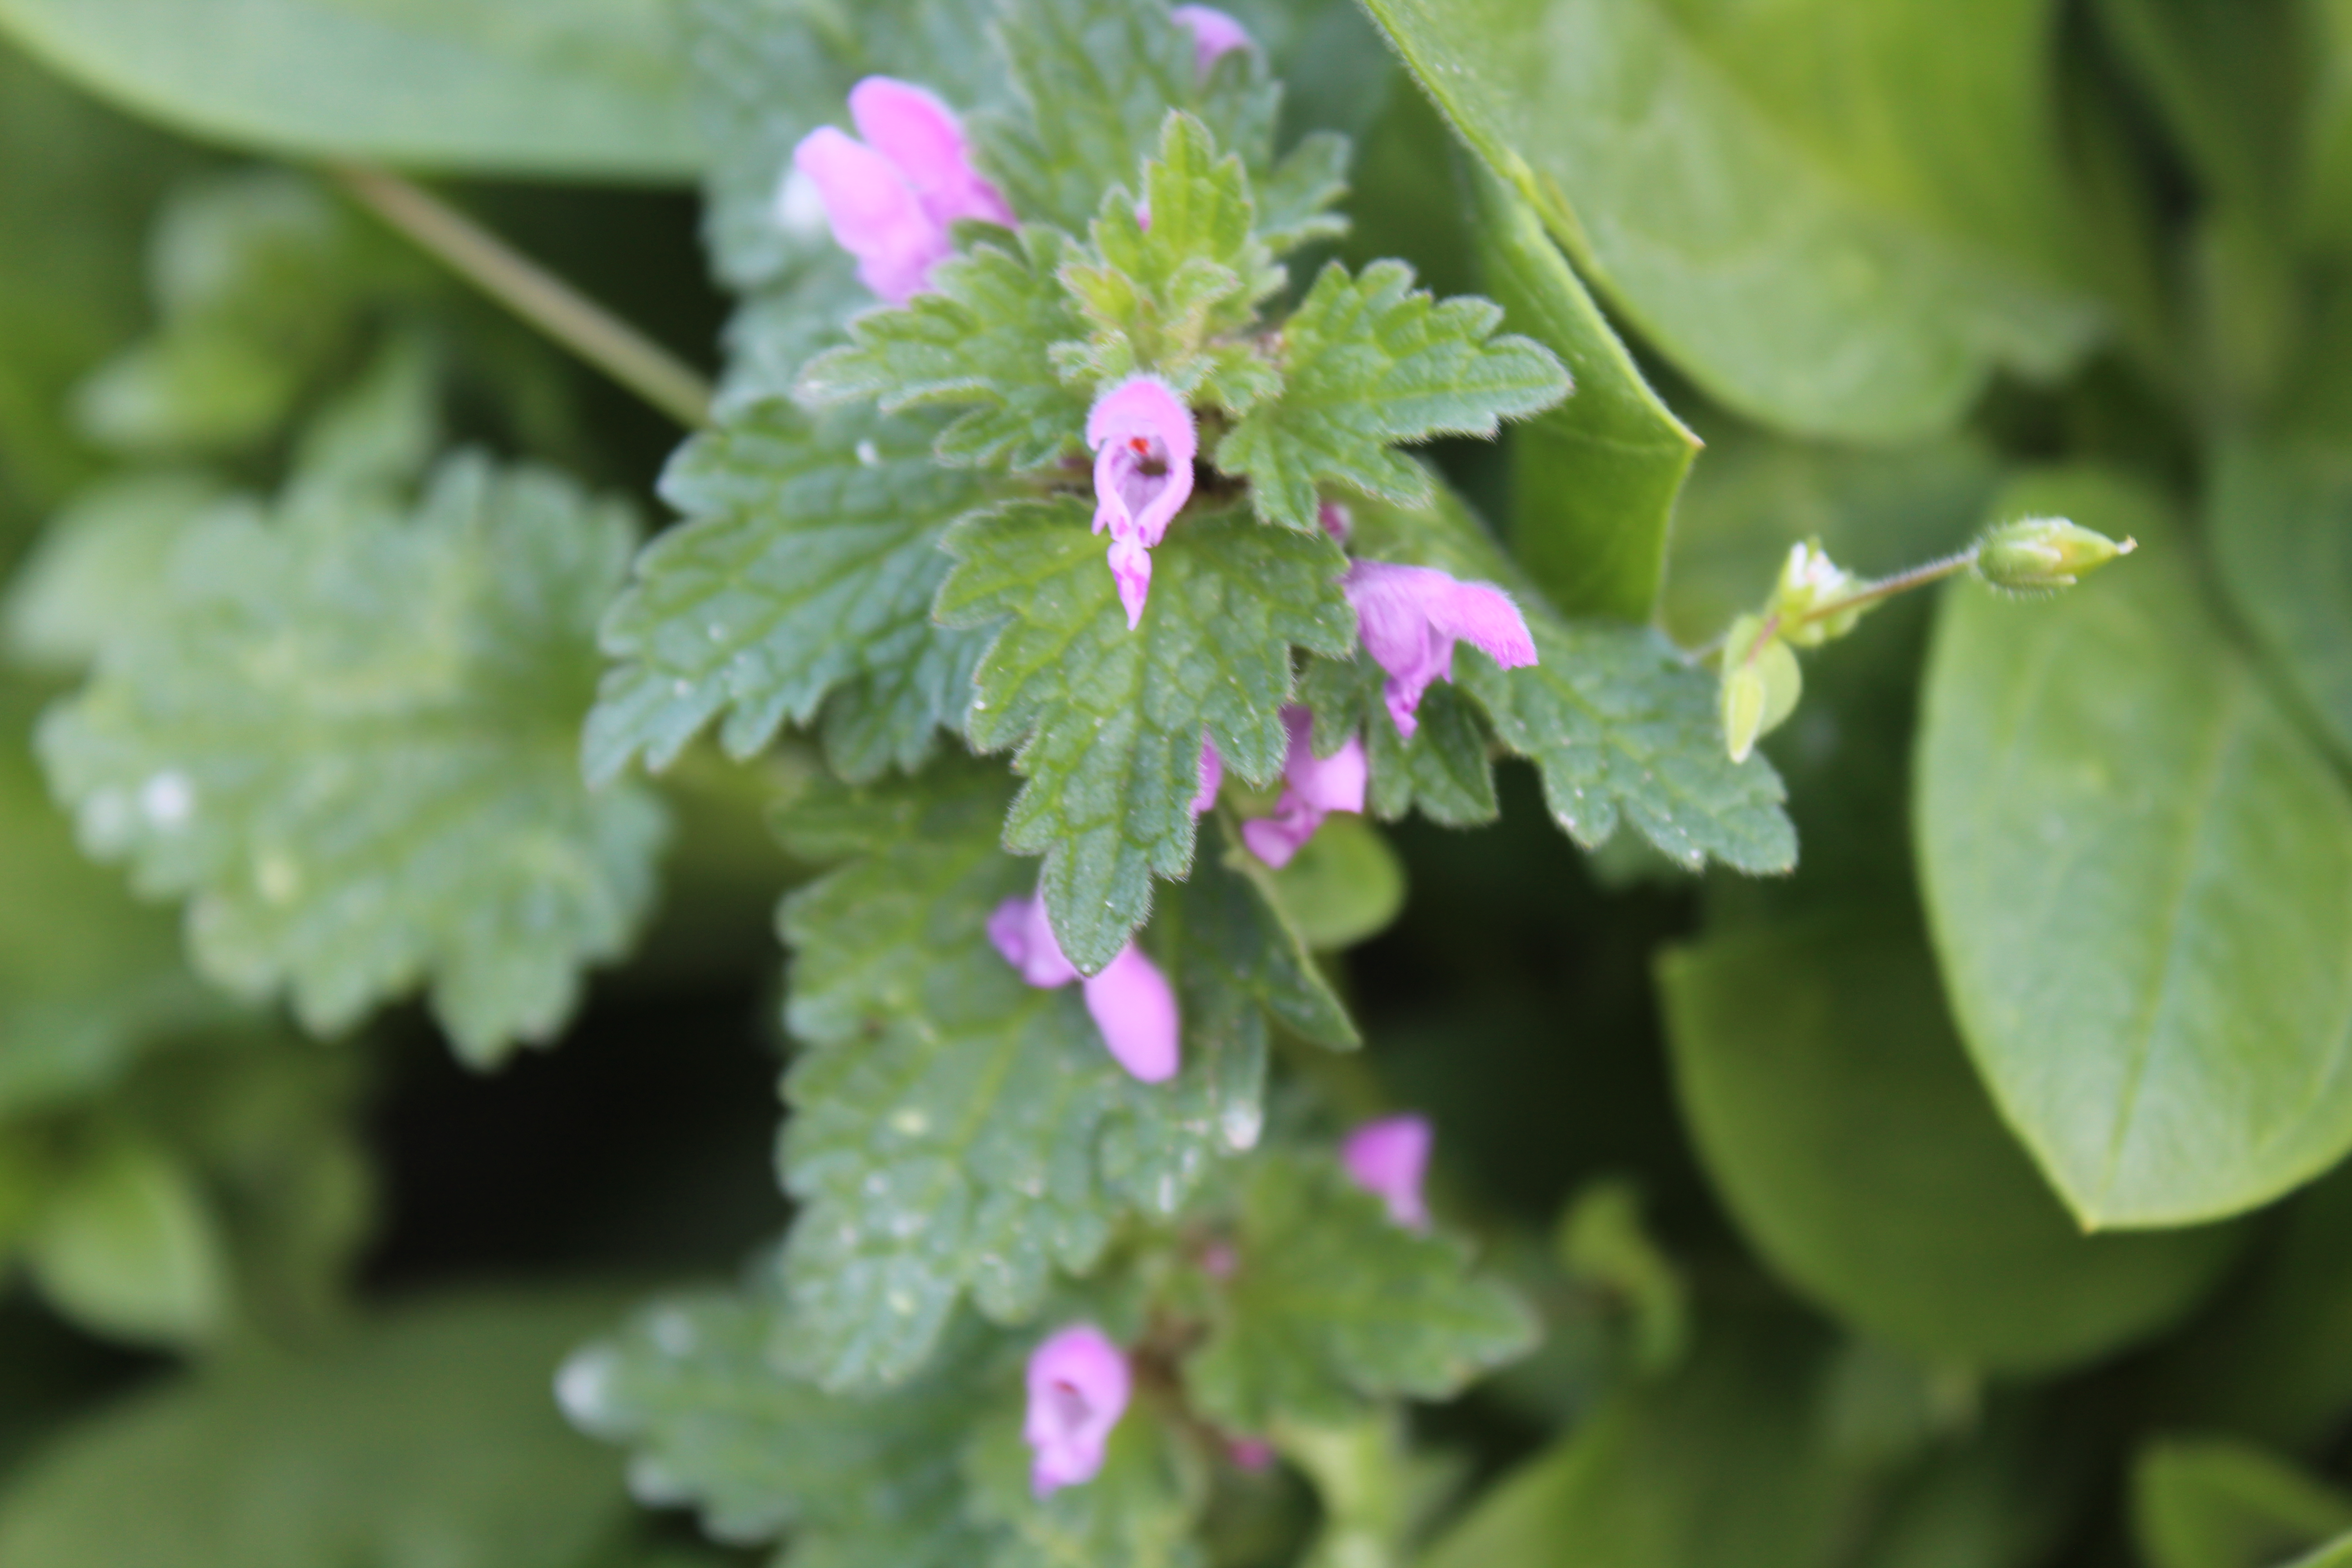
{"points": [[1337, 520], [1387, 1159], [1144, 442], [1251, 1454], [1411, 617], [1130, 999], [1213, 776], [892, 197], [1079, 1387], [1313, 787], [1213, 34]]}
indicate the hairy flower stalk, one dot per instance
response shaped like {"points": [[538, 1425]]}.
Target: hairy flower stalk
{"points": [[1130, 1000], [1411, 617], [1144, 442], [1389, 1158], [1078, 1387], [1313, 788], [892, 199]]}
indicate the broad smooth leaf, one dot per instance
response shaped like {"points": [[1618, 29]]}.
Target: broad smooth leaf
{"points": [[352, 743], [2215, 1503], [2139, 876], [573, 88], [2281, 526], [125, 1245], [426, 1440], [1835, 1109], [1839, 219], [1594, 480]]}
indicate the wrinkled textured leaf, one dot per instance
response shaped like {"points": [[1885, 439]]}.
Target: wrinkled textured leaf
{"points": [[1368, 362], [2139, 875], [565, 87], [351, 742], [957, 1130], [805, 572], [1838, 219], [1108, 721], [1835, 1109], [1331, 1301]]}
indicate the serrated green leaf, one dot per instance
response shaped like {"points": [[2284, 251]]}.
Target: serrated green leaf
{"points": [[1158, 295], [1834, 1106], [1108, 721], [1368, 363], [1332, 1302], [2217, 1503], [1139, 1511], [1618, 724], [692, 1389], [352, 742], [2138, 876], [571, 88], [1443, 769], [802, 578], [958, 1130], [977, 339], [1860, 213]]}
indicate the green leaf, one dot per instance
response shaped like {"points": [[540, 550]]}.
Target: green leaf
{"points": [[2327, 151], [352, 742], [1618, 723], [1368, 362], [2278, 524], [1836, 1110], [1722, 1463], [1443, 769], [1331, 1302], [976, 339], [427, 1437], [1139, 1511], [125, 1245], [575, 88], [2214, 1503], [2139, 875], [100, 566], [1594, 480], [2335, 1554], [1108, 721], [692, 1388], [957, 1130], [2226, 75], [1343, 887], [1859, 214], [802, 578]]}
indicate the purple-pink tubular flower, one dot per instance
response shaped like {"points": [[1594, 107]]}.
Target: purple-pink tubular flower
{"points": [[1144, 442], [1078, 1386], [1337, 520], [1130, 1000], [1387, 1159], [1213, 776], [1411, 617], [1313, 787], [891, 199], [1213, 34]]}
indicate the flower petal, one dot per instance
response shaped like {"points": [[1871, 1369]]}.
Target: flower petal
{"points": [[1214, 33], [875, 213], [922, 136], [1135, 1010], [1212, 776], [1079, 1387], [1388, 1158], [1025, 939]]}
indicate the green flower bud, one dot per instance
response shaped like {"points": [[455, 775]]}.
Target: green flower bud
{"points": [[2036, 554], [1809, 580], [1762, 683]]}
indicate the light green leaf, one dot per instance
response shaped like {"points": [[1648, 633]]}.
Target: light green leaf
{"points": [[125, 1245], [1836, 1111], [1838, 219], [1345, 885], [1368, 362], [427, 1437], [2335, 1554], [100, 566], [801, 579], [976, 340], [351, 742], [2278, 524], [2139, 875], [573, 89], [2215, 1503], [692, 1388], [1618, 723], [1594, 480], [1109, 721], [957, 1130], [1331, 1302]]}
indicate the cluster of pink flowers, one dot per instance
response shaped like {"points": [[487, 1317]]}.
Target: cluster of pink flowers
{"points": [[1079, 1380]]}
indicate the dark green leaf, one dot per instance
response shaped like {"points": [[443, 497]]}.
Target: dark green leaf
{"points": [[2214, 1503], [2280, 524], [1368, 362], [352, 742], [2138, 876], [1108, 721]]}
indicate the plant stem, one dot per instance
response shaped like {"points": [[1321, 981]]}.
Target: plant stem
{"points": [[1887, 588], [532, 292]]}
